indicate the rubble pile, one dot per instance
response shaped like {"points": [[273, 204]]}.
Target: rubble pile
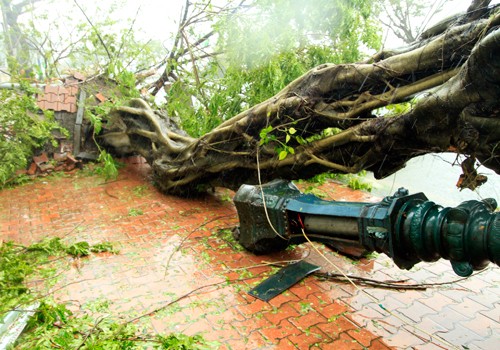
{"points": [[59, 161]]}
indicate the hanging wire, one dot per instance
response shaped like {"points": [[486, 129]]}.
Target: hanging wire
{"points": [[264, 199]]}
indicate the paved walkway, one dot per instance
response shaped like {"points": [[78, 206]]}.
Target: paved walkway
{"points": [[173, 247]]}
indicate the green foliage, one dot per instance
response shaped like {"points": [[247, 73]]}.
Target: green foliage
{"points": [[135, 212], [354, 181], [287, 25], [19, 263], [108, 166], [183, 342], [79, 249], [13, 272], [23, 129], [284, 137], [54, 246], [107, 45], [260, 60], [283, 149], [54, 325]]}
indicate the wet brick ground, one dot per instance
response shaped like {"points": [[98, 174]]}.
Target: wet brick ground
{"points": [[173, 247]]}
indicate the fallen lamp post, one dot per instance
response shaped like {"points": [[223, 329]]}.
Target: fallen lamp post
{"points": [[407, 227]]}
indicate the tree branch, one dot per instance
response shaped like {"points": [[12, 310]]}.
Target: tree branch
{"points": [[454, 74], [110, 57]]}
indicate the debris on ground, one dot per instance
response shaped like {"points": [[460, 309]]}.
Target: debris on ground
{"points": [[59, 161]]}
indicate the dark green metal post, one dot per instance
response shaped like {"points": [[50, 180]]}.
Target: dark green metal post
{"points": [[408, 228]]}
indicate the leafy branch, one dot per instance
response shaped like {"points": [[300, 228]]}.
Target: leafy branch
{"points": [[54, 325]]}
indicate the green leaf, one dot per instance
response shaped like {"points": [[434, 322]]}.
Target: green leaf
{"points": [[300, 140], [287, 138], [292, 131], [79, 249], [282, 155]]}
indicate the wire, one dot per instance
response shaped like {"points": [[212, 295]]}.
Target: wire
{"points": [[264, 199]]}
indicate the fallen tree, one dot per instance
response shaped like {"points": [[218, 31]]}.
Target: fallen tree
{"points": [[329, 119]]}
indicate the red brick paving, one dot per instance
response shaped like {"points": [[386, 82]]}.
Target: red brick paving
{"points": [[152, 229]]}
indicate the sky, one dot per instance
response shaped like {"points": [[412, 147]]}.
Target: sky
{"points": [[157, 19]]}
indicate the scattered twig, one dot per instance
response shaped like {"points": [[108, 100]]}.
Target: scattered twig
{"points": [[151, 313], [73, 229], [89, 333], [109, 194], [188, 235], [112, 181], [65, 286], [368, 281], [215, 284]]}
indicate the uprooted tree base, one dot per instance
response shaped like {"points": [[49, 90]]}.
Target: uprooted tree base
{"points": [[455, 74]]}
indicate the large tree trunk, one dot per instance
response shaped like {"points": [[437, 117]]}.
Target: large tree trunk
{"points": [[454, 74]]}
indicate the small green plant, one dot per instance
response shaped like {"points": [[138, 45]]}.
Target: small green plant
{"points": [[305, 307], [372, 255], [135, 212], [140, 190], [104, 247], [396, 109], [226, 196]]}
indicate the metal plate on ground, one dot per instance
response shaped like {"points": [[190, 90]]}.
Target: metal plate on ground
{"points": [[282, 280]]}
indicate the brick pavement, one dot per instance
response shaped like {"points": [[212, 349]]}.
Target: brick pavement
{"points": [[171, 247]]}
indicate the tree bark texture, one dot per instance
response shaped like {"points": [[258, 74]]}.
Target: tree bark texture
{"points": [[453, 76]]}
